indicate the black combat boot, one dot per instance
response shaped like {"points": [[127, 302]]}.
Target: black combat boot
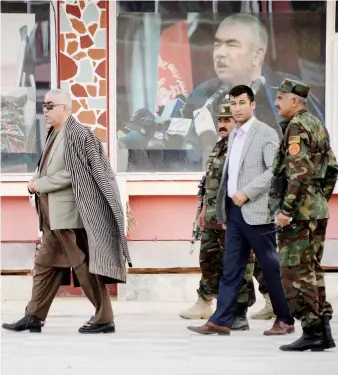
{"points": [[240, 322], [329, 342], [312, 339], [28, 322]]}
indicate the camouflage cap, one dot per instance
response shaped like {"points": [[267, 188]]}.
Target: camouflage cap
{"points": [[294, 87], [224, 110]]}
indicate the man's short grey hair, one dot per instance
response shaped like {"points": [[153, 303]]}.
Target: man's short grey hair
{"points": [[259, 33], [301, 100], [64, 96]]}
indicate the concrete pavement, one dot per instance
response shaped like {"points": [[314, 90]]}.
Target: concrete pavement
{"points": [[150, 338]]}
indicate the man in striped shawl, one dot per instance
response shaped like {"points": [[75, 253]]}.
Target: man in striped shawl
{"points": [[81, 217]]}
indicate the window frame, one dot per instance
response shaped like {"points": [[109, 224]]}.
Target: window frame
{"points": [[113, 144], [331, 37], [24, 177], [186, 176]]}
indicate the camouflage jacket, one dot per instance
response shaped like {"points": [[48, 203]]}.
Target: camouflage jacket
{"points": [[215, 165], [306, 160]]}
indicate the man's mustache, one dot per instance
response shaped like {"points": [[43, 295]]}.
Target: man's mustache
{"points": [[222, 129], [221, 62]]}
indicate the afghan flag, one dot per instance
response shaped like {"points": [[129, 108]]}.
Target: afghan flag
{"points": [[174, 63]]}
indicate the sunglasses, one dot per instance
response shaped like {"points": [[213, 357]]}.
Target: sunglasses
{"points": [[49, 106]]}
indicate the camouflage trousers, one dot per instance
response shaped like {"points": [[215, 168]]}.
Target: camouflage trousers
{"points": [[301, 252], [211, 264]]}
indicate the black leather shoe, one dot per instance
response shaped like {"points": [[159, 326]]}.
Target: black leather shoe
{"points": [[329, 341], [312, 339], [240, 322], [28, 322], [98, 328]]}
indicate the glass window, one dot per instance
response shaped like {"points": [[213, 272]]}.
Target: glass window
{"points": [[176, 58], [25, 78]]}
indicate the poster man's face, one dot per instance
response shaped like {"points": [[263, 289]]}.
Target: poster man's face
{"points": [[234, 60]]}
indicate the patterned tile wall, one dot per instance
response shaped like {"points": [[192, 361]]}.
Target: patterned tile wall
{"points": [[83, 73], [83, 60]]}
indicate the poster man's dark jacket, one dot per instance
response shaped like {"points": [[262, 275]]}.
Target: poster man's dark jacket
{"points": [[265, 98]]}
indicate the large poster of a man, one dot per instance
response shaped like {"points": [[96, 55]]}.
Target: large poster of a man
{"points": [[159, 110]]}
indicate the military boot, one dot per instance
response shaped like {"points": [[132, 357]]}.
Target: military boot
{"points": [[202, 309], [329, 341], [240, 322], [312, 339], [266, 312]]}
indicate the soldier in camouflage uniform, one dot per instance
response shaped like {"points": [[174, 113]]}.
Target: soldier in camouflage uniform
{"points": [[266, 312], [213, 236], [305, 173]]}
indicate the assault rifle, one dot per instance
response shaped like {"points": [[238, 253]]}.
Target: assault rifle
{"points": [[196, 233]]}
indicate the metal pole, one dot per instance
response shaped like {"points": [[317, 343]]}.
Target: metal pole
{"points": [[214, 6]]}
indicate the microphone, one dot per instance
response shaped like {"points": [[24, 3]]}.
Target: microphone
{"points": [[216, 97], [205, 126], [257, 83], [173, 108], [143, 121], [178, 127], [133, 140], [177, 132]]}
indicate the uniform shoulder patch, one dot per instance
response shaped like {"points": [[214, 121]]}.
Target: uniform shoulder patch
{"points": [[294, 149], [294, 139]]}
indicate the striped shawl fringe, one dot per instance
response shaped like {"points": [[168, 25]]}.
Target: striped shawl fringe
{"points": [[98, 200]]}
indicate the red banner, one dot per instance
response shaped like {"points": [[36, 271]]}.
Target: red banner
{"points": [[174, 63]]}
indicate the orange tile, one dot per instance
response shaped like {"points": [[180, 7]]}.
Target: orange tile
{"points": [[62, 42], [97, 53], [87, 117], [79, 91], [103, 20], [92, 28], [78, 26], [84, 103], [91, 90], [103, 88], [75, 106], [101, 134], [68, 68], [80, 56], [72, 47]]}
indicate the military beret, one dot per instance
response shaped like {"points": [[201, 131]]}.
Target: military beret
{"points": [[294, 87], [224, 110]]}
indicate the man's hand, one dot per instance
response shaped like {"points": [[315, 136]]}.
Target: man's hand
{"points": [[239, 198], [224, 226], [202, 218], [32, 186], [283, 220]]}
